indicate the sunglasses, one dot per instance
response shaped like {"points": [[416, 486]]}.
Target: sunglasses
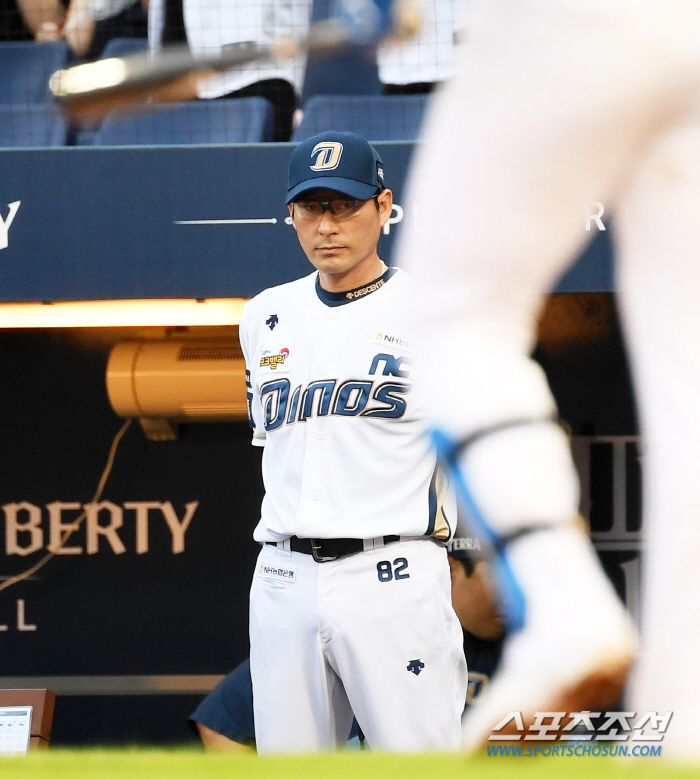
{"points": [[340, 207]]}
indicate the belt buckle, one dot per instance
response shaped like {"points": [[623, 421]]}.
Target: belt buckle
{"points": [[315, 547]]}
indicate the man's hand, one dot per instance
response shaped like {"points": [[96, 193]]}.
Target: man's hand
{"points": [[370, 21]]}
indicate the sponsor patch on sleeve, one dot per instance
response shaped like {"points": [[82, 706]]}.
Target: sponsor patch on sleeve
{"points": [[268, 359]]}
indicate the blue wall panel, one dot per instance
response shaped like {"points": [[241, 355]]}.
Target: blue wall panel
{"points": [[101, 223]]}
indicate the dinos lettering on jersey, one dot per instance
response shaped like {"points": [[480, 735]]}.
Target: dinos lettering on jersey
{"points": [[273, 360], [355, 397]]}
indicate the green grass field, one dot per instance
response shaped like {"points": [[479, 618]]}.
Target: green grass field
{"points": [[187, 763]]}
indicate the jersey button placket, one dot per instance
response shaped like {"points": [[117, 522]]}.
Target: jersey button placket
{"points": [[324, 362], [321, 360]]}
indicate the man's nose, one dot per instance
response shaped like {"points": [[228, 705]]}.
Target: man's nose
{"points": [[328, 224]]}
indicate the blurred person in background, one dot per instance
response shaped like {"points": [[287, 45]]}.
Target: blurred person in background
{"points": [[208, 27], [86, 25], [419, 64], [21, 20]]}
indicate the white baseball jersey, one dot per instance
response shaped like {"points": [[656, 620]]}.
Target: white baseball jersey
{"points": [[346, 455]]}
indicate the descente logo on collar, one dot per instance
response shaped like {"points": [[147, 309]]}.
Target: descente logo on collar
{"points": [[328, 155], [362, 291]]}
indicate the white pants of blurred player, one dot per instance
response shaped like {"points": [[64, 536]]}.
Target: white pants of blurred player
{"points": [[560, 104], [333, 638]]}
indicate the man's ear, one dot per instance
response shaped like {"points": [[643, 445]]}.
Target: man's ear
{"points": [[385, 200], [290, 206]]}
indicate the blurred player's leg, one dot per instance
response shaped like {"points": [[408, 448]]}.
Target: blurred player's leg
{"points": [[659, 279], [553, 104], [299, 703]]}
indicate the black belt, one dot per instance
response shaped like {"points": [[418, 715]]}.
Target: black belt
{"points": [[324, 550]]}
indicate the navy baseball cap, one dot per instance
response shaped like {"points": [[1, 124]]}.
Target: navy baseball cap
{"points": [[345, 162]]}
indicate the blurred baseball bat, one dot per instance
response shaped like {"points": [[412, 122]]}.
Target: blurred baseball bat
{"points": [[90, 91]]}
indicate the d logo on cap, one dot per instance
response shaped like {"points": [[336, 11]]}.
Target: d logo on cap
{"points": [[328, 155]]}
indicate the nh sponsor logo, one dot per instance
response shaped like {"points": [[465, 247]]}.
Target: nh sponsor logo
{"points": [[392, 340], [74, 528], [275, 572]]}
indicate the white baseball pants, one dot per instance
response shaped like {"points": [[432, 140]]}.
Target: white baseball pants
{"points": [[372, 633]]}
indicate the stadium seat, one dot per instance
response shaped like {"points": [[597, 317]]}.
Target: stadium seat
{"points": [[239, 120], [353, 71], [25, 68], [83, 137], [378, 118], [31, 125], [348, 73], [121, 47]]}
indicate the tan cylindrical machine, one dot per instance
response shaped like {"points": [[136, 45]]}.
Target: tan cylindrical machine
{"points": [[178, 380]]}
